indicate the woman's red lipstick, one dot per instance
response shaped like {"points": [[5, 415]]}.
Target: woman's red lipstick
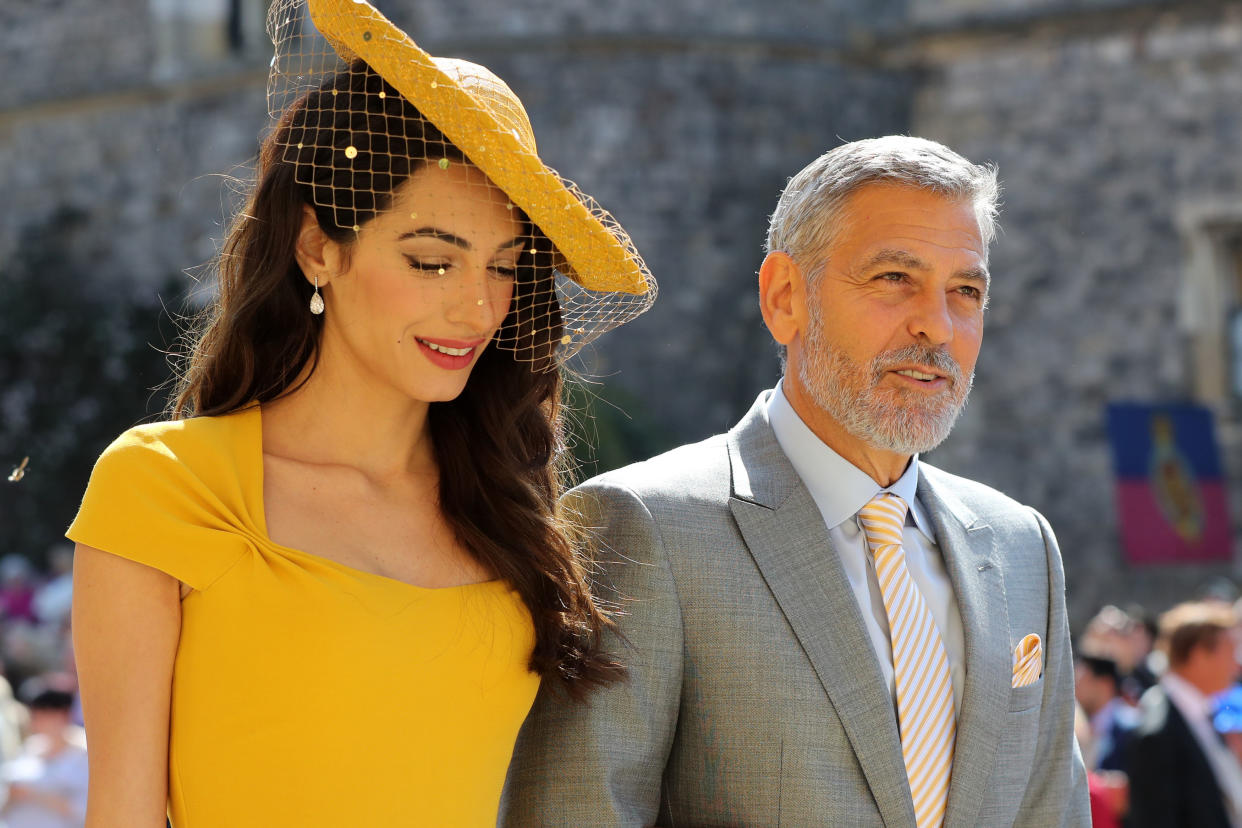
{"points": [[448, 353]]}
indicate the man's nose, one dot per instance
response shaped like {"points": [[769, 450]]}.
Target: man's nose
{"points": [[931, 319]]}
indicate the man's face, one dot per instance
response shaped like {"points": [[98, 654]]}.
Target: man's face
{"points": [[895, 320], [1221, 662]]}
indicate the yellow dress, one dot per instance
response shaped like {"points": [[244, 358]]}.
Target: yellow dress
{"points": [[306, 692]]}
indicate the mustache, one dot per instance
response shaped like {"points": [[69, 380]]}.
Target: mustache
{"points": [[937, 358]]}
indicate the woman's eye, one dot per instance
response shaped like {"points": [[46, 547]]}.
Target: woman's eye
{"points": [[505, 271], [433, 267]]}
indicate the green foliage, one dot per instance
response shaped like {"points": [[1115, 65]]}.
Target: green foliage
{"points": [[609, 427], [80, 361]]}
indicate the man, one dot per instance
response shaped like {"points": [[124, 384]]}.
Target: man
{"points": [[1097, 687], [775, 677], [1181, 772]]}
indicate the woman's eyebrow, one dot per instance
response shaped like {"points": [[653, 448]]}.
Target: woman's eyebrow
{"points": [[439, 235], [516, 241], [455, 240]]}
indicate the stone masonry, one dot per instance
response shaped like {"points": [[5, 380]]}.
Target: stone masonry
{"points": [[1110, 121]]}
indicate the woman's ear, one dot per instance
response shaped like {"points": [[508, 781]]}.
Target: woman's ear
{"points": [[782, 297], [317, 255]]}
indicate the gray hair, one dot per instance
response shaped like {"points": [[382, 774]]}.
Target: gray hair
{"points": [[808, 214]]}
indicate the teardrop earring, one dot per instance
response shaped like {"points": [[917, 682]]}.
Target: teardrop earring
{"points": [[316, 302]]}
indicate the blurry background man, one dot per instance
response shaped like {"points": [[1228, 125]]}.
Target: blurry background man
{"points": [[1181, 772]]}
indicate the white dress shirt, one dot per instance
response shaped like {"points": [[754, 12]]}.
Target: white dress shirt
{"points": [[1196, 709], [840, 489]]}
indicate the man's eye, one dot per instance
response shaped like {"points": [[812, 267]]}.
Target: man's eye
{"points": [[972, 292], [892, 277]]}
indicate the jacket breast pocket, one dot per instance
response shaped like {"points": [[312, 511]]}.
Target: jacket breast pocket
{"points": [[1024, 698]]}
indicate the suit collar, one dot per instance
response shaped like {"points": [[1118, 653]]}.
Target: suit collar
{"points": [[760, 470], [937, 486]]}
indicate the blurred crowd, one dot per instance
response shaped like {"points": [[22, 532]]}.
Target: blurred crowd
{"points": [[43, 769], [1160, 714]]}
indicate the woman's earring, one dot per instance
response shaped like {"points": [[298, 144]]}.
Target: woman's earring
{"points": [[316, 303]]}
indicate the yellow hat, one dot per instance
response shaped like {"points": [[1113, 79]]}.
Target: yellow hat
{"points": [[601, 280], [480, 114]]}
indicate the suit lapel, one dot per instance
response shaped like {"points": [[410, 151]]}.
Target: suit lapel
{"points": [[785, 534], [975, 568]]}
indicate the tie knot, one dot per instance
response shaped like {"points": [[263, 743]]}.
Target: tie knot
{"points": [[882, 520]]}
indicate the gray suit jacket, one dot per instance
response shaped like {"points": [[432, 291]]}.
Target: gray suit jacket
{"points": [[755, 697]]}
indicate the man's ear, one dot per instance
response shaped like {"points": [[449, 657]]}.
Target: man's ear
{"points": [[782, 297], [317, 255]]}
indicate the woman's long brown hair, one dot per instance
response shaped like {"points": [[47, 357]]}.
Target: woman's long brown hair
{"points": [[499, 445]]}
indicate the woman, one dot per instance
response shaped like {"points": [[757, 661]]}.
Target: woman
{"points": [[327, 597]]}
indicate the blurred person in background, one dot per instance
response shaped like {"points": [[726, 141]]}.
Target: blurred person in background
{"points": [[356, 498], [14, 722], [47, 783], [1122, 637], [1181, 772], [1150, 663], [1109, 791], [1217, 589], [1228, 719], [17, 589], [31, 650], [1110, 718], [53, 599]]}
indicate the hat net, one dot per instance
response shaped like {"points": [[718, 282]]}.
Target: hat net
{"points": [[442, 149]]}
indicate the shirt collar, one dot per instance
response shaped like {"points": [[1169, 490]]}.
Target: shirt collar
{"points": [[839, 488], [1186, 696]]}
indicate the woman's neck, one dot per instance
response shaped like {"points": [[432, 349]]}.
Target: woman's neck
{"points": [[334, 420]]}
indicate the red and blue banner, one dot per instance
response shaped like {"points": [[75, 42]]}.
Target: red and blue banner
{"points": [[1171, 498]]}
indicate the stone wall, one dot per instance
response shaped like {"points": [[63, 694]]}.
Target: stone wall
{"points": [[1109, 119], [974, 14], [96, 121], [61, 48], [1103, 133], [149, 171], [635, 21]]}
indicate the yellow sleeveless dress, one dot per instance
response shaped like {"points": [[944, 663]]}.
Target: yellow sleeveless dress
{"points": [[305, 692]]}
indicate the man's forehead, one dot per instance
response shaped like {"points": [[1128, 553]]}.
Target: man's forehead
{"points": [[972, 267]]}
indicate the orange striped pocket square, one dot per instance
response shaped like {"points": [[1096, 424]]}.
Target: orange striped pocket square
{"points": [[1028, 661]]}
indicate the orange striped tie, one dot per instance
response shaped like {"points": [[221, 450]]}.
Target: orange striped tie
{"points": [[920, 664]]}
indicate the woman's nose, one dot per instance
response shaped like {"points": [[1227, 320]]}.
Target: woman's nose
{"points": [[483, 301]]}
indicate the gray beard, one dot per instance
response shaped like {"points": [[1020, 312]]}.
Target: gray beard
{"points": [[884, 418]]}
